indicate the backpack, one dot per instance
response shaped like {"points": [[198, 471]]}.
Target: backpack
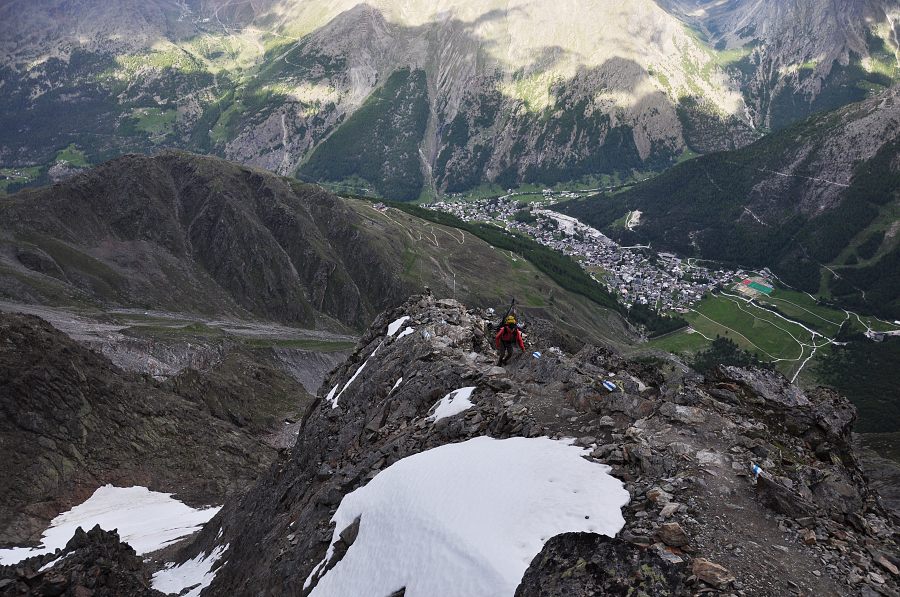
{"points": [[508, 335]]}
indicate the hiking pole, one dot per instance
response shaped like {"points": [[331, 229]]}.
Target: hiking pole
{"points": [[508, 311]]}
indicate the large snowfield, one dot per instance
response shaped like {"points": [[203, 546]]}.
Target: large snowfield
{"points": [[466, 519], [146, 520]]}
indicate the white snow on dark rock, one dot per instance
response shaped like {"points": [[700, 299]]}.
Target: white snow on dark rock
{"points": [[395, 325], [196, 573], [452, 404], [146, 520], [466, 519]]}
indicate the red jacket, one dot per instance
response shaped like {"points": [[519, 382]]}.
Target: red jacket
{"points": [[507, 334]]}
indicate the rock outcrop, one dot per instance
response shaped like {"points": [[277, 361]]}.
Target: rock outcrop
{"points": [[92, 564], [583, 564]]}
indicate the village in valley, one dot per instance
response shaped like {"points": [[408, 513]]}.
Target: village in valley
{"points": [[781, 326], [637, 275]]}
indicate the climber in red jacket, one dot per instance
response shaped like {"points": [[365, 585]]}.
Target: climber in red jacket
{"points": [[508, 335]]}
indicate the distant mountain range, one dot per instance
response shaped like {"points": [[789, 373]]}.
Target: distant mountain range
{"points": [[397, 97], [819, 202]]}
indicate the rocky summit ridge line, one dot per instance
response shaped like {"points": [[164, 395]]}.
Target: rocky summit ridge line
{"points": [[697, 521]]}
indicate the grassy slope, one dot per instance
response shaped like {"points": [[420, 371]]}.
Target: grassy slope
{"points": [[380, 141], [435, 255], [755, 328]]}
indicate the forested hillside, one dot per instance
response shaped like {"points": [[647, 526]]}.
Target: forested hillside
{"points": [[818, 203]]}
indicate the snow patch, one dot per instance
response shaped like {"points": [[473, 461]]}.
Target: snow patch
{"points": [[330, 397], [453, 403], [466, 519], [146, 520], [396, 385], [334, 403], [405, 332], [196, 573], [634, 219], [395, 325], [52, 563]]}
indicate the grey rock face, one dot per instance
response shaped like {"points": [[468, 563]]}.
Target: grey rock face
{"points": [[769, 386], [93, 563], [583, 564], [766, 36], [71, 421]]}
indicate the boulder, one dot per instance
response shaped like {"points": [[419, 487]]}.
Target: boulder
{"points": [[768, 385], [711, 573], [585, 564], [658, 496], [672, 534], [781, 499], [689, 415]]}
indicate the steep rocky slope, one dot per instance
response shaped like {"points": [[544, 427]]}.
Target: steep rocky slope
{"points": [[186, 233], [202, 236], [71, 421], [817, 202], [796, 57], [698, 519], [497, 91]]}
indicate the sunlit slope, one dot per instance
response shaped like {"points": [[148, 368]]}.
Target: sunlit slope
{"points": [[796, 57], [510, 92], [520, 91]]}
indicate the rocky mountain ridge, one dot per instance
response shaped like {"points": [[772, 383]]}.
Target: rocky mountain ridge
{"points": [[93, 562], [683, 445], [194, 234], [180, 236]]}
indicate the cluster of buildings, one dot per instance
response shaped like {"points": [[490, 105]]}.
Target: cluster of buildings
{"points": [[638, 275], [13, 175]]}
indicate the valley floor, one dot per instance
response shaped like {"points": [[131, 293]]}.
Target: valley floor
{"points": [[788, 329]]}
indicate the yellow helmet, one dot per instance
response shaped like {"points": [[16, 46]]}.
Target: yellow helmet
{"points": [[510, 319]]}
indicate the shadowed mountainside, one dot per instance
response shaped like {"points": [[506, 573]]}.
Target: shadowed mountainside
{"points": [[72, 421], [818, 202], [185, 233]]}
